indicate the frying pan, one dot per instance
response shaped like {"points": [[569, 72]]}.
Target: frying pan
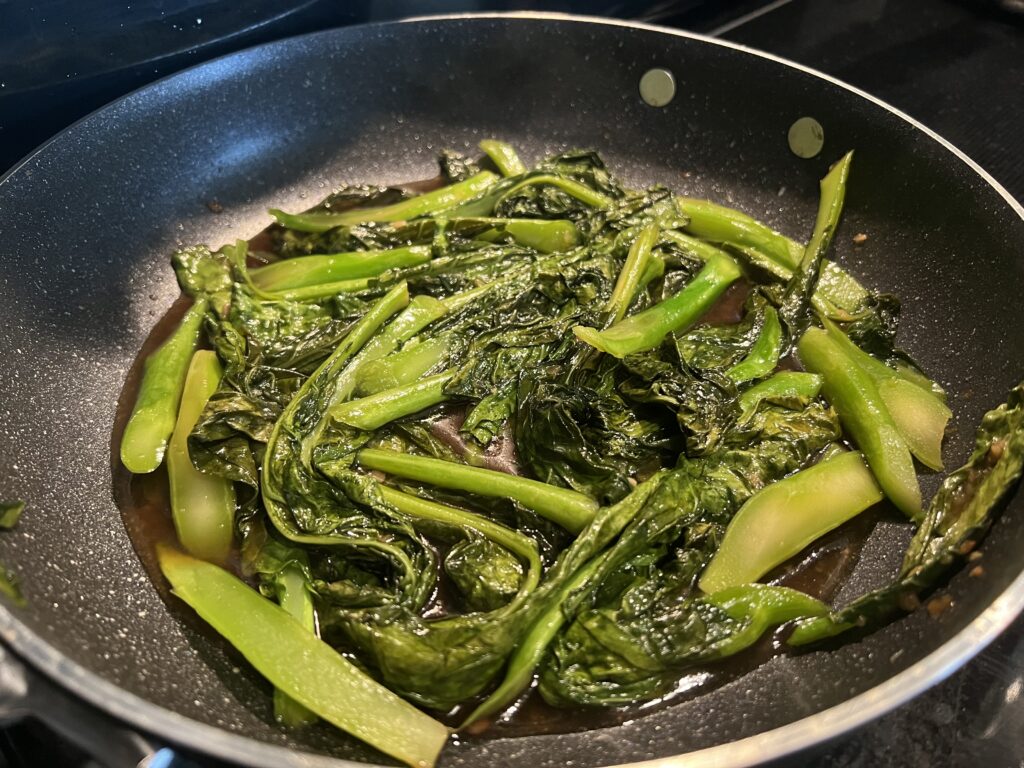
{"points": [[88, 221]]}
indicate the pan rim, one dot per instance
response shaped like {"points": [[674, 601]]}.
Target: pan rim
{"points": [[753, 750]]}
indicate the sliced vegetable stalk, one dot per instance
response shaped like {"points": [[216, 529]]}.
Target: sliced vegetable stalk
{"points": [[325, 682], [918, 411], [959, 515], [647, 329], [156, 407], [865, 417], [304, 271], [779, 521], [720, 224], [838, 292], [202, 506], [421, 205], [568, 508], [545, 236], [403, 367], [293, 595]]}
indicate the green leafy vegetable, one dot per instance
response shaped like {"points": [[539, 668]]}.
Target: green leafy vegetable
{"points": [[441, 474], [429, 202], [646, 329]]}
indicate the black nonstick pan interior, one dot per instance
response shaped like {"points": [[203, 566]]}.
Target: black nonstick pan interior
{"points": [[88, 222]]}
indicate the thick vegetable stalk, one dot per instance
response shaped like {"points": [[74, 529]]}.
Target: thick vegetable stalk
{"points": [[294, 597], [838, 293], [647, 329], [503, 156], [568, 508], [764, 354], [796, 299], [403, 367], [784, 385], [156, 407], [918, 411], [301, 665], [421, 205], [628, 284], [378, 409], [720, 224], [780, 520], [552, 236], [960, 513], [865, 417], [203, 506], [305, 271]]}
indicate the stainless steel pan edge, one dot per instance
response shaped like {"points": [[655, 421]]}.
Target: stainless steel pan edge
{"points": [[764, 747]]}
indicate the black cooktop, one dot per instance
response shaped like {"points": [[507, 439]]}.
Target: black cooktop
{"points": [[958, 67]]}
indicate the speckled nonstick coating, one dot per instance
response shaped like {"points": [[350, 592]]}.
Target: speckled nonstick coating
{"points": [[87, 224]]}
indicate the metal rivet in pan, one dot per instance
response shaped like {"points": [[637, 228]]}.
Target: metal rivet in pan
{"points": [[806, 137], [657, 87]]}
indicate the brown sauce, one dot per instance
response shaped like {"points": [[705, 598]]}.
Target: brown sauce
{"points": [[818, 571]]}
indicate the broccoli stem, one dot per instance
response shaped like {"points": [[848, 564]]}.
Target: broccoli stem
{"points": [[304, 271], [503, 156], [647, 329], [865, 417], [568, 508], [376, 410], [628, 283], [421, 205], [202, 506]]}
